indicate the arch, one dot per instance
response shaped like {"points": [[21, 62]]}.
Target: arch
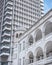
{"points": [[17, 35], [30, 57], [48, 27], [48, 48], [39, 53], [20, 34], [38, 35], [30, 40]]}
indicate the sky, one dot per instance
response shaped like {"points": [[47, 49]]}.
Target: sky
{"points": [[47, 5]]}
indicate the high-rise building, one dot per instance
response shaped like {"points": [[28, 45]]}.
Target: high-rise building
{"points": [[16, 15]]}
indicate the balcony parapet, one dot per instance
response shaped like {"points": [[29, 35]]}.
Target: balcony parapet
{"points": [[4, 54], [47, 60], [5, 47]]}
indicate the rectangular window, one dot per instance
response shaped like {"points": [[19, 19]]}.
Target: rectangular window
{"points": [[19, 47], [19, 61], [23, 46], [23, 60]]}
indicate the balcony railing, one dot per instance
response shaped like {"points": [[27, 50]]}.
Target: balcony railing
{"points": [[8, 17], [6, 34], [40, 62], [5, 40], [4, 54], [6, 28], [5, 47], [9, 23]]}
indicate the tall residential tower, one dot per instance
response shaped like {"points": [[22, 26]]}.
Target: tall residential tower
{"points": [[16, 15]]}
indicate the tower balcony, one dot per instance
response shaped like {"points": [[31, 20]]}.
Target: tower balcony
{"points": [[5, 47], [10, 3], [6, 28], [8, 23], [5, 40], [8, 8], [5, 34], [5, 52], [7, 17]]}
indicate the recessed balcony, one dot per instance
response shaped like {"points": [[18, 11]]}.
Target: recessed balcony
{"points": [[5, 40], [9, 2], [5, 52], [6, 28], [9, 8], [5, 34], [8, 18], [8, 23], [5, 47]]}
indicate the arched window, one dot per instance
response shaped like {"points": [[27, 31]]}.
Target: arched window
{"points": [[48, 28], [17, 35], [38, 35], [39, 53], [20, 34], [30, 40], [48, 47], [30, 57]]}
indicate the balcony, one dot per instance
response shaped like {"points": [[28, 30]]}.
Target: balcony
{"points": [[5, 40], [5, 52], [47, 60], [5, 34], [8, 23], [10, 3], [6, 28], [5, 47], [8, 18], [9, 8]]}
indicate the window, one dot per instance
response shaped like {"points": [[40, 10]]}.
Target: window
{"points": [[38, 35], [19, 47], [30, 40], [19, 61], [23, 45], [31, 57], [23, 60], [48, 28], [17, 35], [39, 53], [20, 34], [48, 48]]}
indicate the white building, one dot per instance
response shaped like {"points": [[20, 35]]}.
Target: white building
{"points": [[34, 47], [16, 15]]}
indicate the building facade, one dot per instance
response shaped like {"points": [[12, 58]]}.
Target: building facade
{"points": [[16, 15], [34, 47]]}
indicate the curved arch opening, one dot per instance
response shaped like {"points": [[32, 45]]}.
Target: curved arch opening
{"points": [[38, 35], [20, 34], [17, 35], [48, 28], [30, 57], [39, 54], [49, 49], [31, 40]]}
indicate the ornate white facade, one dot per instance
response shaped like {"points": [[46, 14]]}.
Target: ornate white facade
{"points": [[34, 47]]}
